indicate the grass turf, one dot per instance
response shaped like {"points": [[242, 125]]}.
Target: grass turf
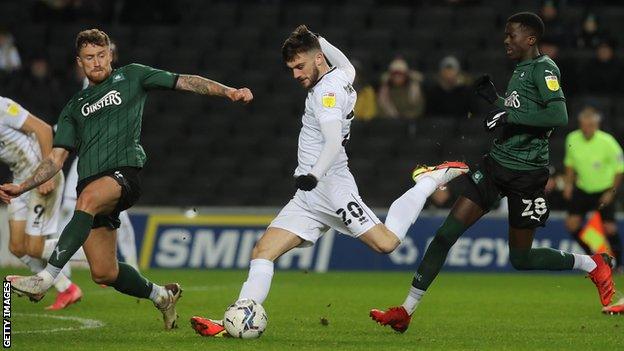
{"points": [[460, 311]]}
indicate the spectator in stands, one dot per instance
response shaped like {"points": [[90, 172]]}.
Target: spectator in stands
{"points": [[400, 94], [366, 104], [594, 166], [550, 16], [449, 95], [9, 56], [604, 73], [567, 66], [41, 91], [590, 34]]}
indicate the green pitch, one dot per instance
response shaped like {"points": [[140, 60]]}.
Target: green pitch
{"points": [[309, 311]]}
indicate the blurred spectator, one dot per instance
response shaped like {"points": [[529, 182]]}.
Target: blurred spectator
{"points": [[366, 104], [62, 11], [567, 66], [400, 94], [603, 73], [9, 56], [449, 95], [41, 91], [554, 25], [590, 35]]}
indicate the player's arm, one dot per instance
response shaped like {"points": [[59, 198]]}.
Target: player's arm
{"points": [[337, 58], [46, 170], [43, 134], [205, 86]]}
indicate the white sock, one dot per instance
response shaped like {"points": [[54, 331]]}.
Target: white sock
{"points": [[258, 281], [584, 263], [405, 210], [61, 282], [35, 264], [66, 271], [157, 293], [412, 300], [48, 278]]}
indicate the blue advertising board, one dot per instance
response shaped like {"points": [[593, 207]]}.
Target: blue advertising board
{"points": [[226, 241]]}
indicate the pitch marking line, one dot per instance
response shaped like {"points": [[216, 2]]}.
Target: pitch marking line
{"points": [[85, 323]]}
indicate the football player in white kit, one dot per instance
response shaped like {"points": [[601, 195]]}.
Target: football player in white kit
{"points": [[327, 196], [34, 215]]}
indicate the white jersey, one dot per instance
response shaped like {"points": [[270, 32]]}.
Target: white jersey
{"points": [[18, 150], [331, 98]]}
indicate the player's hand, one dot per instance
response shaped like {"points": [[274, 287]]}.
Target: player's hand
{"points": [[606, 198], [47, 187], [486, 89], [306, 182], [9, 191], [243, 94], [494, 119]]}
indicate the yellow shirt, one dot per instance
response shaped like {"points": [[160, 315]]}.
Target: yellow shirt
{"points": [[366, 104]]}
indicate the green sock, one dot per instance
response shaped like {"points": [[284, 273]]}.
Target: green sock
{"points": [[74, 235], [131, 282], [542, 258], [436, 253]]}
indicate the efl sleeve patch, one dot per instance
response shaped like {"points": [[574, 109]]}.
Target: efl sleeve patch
{"points": [[13, 109], [552, 82], [328, 99]]}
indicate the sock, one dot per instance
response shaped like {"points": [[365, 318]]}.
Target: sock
{"points": [[584, 263], [436, 253], [131, 282], [35, 264], [412, 300], [258, 281], [66, 271], [405, 210], [61, 283], [542, 258], [50, 244], [74, 235], [157, 293], [577, 237], [616, 246]]}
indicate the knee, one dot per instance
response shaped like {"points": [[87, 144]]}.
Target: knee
{"points": [[87, 201], [263, 251], [387, 244], [17, 248], [104, 276]]}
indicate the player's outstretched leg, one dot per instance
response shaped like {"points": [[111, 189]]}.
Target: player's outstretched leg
{"points": [[274, 243], [463, 214]]}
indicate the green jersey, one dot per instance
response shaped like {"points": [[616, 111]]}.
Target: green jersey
{"points": [[535, 105], [596, 161], [103, 122]]}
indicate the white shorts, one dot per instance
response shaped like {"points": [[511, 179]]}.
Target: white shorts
{"points": [[334, 203], [41, 213]]}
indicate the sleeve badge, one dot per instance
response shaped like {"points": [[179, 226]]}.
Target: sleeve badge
{"points": [[13, 109], [329, 99], [552, 82]]}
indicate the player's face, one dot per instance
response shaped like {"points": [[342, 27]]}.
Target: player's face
{"points": [[304, 68], [589, 123], [95, 62], [518, 41]]}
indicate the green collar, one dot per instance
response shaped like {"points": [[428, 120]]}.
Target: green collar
{"points": [[529, 61]]}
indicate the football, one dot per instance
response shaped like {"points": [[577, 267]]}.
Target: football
{"points": [[245, 319]]}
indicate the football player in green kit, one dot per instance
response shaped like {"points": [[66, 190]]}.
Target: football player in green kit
{"points": [[515, 167], [103, 124]]}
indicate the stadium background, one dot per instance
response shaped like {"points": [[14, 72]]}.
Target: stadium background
{"points": [[237, 161]]}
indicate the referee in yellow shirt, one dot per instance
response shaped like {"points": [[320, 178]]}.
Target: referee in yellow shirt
{"points": [[594, 166]]}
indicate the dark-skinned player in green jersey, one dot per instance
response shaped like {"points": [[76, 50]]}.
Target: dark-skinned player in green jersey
{"points": [[103, 124], [516, 167]]}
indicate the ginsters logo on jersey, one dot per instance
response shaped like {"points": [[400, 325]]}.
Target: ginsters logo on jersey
{"points": [[113, 97], [513, 100]]}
